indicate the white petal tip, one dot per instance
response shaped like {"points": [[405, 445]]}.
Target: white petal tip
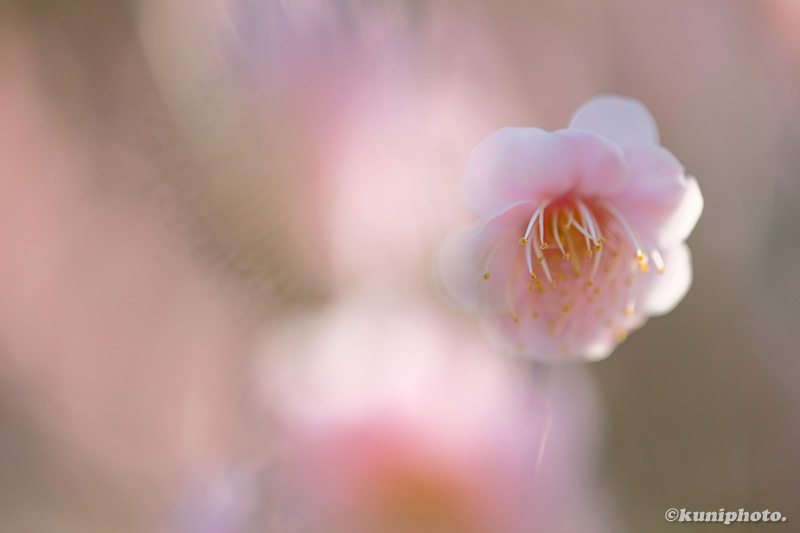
{"points": [[625, 121]]}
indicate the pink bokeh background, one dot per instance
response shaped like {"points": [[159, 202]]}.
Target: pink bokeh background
{"points": [[182, 180]]}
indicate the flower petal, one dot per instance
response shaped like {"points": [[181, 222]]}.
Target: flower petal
{"points": [[683, 220], [605, 341], [601, 164], [624, 121], [457, 271], [600, 348], [662, 292], [491, 245], [660, 202], [528, 338], [515, 164]]}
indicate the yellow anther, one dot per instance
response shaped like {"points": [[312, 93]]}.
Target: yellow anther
{"points": [[523, 241], [566, 309], [544, 246], [486, 276], [620, 335], [629, 311], [535, 314]]}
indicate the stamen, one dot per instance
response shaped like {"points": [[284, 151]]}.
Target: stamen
{"points": [[658, 260], [631, 234], [611, 271], [488, 262], [587, 218], [595, 264], [539, 211], [598, 232], [630, 306], [576, 265], [529, 259], [642, 259], [490, 257], [541, 260], [557, 236], [586, 236], [541, 232], [573, 222]]}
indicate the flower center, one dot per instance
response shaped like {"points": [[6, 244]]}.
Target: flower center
{"points": [[582, 259], [574, 228]]}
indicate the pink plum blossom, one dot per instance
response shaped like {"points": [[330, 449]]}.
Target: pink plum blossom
{"points": [[399, 424], [580, 234]]}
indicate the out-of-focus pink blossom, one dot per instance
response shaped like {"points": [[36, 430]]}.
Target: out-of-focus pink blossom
{"points": [[346, 106], [383, 139], [580, 235], [399, 425]]}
